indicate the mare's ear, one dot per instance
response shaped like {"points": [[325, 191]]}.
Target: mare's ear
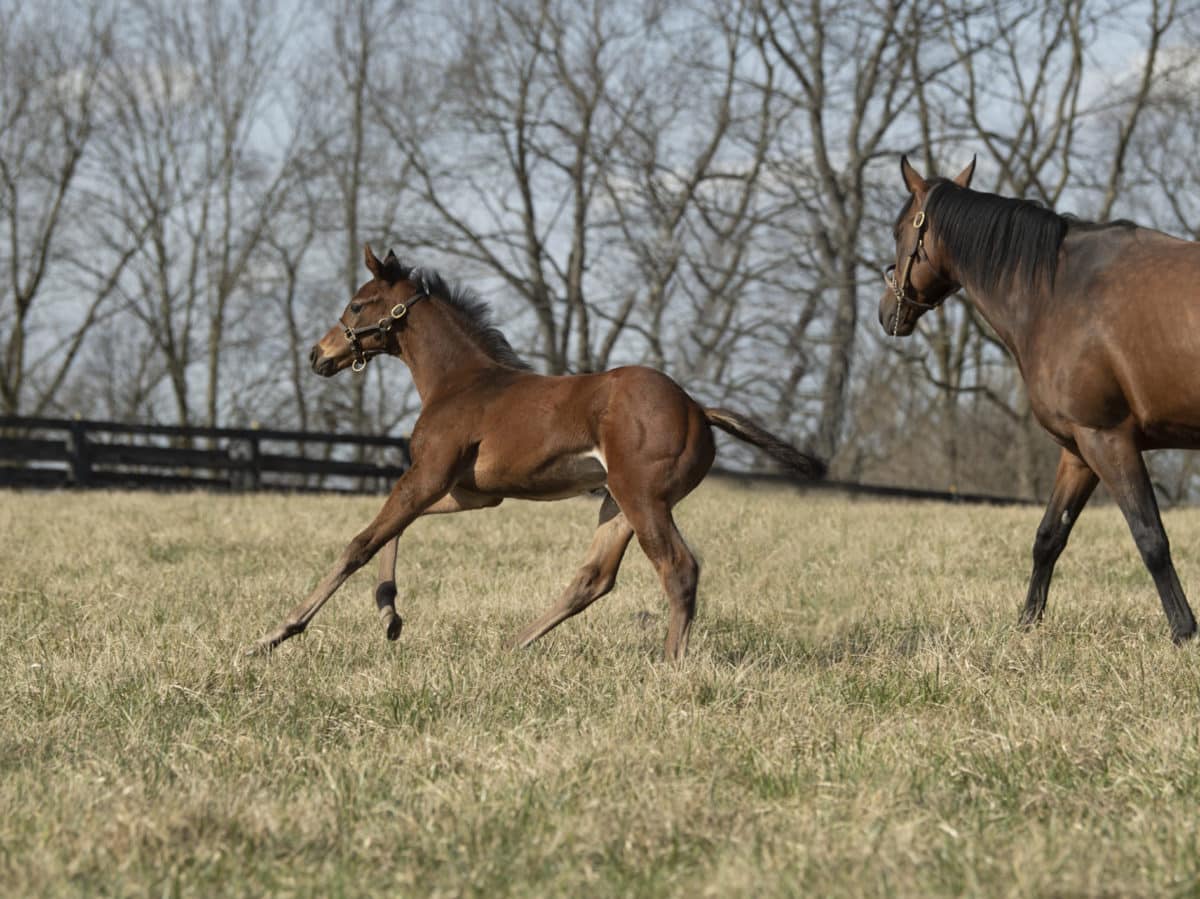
{"points": [[391, 260], [373, 265], [912, 178], [963, 178]]}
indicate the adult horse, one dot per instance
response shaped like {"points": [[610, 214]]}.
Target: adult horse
{"points": [[490, 428], [1103, 321]]}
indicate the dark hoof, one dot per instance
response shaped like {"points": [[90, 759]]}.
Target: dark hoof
{"points": [[394, 626], [1183, 636]]}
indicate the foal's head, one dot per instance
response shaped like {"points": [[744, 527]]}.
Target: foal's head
{"points": [[919, 280], [370, 323]]}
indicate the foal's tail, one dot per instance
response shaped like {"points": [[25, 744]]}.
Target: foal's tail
{"points": [[744, 429]]}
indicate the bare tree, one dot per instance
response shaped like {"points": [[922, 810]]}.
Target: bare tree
{"points": [[48, 119], [849, 80], [190, 179]]}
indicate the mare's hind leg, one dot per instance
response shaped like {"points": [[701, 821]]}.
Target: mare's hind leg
{"points": [[595, 578], [1116, 459], [1073, 484], [457, 500]]}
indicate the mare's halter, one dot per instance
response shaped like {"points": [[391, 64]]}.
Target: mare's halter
{"points": [[383, 327], [900, 288]]}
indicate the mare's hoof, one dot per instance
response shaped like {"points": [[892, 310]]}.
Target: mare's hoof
{"points": [[394, 626]]}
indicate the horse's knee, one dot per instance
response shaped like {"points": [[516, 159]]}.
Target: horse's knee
{"points": [[1154, 546], [1047, 543], [357, 554]]}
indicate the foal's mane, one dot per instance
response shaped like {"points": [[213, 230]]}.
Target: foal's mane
{"points": [[471, 311], [1000, 242]]}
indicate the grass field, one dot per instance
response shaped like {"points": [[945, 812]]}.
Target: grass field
{"points": [[858, 714]]}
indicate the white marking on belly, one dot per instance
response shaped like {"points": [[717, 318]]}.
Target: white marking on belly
{"points": [[598, 456]]}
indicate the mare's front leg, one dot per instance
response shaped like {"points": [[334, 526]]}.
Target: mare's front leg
{"points": [[1073, 484], [457, 500], [413, 494], [1114, 456]]}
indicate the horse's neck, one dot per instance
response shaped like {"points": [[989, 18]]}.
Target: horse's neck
{"points": [[440, 352], [1007, 311]]}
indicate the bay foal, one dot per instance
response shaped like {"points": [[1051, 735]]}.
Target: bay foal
{"points": [[490, 428]]}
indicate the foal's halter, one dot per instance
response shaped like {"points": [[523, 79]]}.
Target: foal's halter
{"points": [[900, 288], [383, 327]]}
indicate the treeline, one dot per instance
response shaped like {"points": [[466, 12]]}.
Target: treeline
{"points": [[706, 187]]}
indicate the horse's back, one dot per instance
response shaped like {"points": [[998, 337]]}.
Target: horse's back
{"points": [[1121, 339], [543, 436]]}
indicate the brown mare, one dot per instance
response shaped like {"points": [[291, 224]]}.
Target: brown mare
{"points": [[489, 429], [1104, 324]]}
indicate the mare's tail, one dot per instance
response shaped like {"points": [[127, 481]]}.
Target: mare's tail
{"points": [[781, 451]]}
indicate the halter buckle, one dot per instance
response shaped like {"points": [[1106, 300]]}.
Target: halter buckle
{"points": [[399, 311], [919, 220], [358, 364]]}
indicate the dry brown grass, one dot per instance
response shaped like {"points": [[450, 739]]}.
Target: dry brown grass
{"points": [[858, 715]]}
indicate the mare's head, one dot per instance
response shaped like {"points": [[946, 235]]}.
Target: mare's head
{"points": [[370, 324], [920, 279]]}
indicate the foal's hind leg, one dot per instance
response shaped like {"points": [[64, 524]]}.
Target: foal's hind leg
{"points": [[1116, 459], [677, 569], [1073, 484], [595, 578]]}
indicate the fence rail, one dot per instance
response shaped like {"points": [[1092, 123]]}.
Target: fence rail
{"points": [[78, 453], [58, 452]]}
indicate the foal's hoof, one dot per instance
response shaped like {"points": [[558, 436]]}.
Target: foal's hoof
{"points": [[261, 648], [395, 624]]}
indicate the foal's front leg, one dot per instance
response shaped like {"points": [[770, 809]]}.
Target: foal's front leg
{"points": [[413, 494], [457, 500]]}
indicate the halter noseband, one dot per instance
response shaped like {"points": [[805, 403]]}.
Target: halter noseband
{"points": [[383, 327], [900, 288]]}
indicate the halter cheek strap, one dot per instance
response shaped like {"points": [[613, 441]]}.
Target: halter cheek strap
{"points": [[900, 287], [383, 327]]}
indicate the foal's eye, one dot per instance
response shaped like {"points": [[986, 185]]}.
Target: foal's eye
{"points": [[356, 308]]}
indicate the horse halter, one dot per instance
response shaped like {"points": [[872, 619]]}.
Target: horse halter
{"points": [[383, 327], [900, 288]]}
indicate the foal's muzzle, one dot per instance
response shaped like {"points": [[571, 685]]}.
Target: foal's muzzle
{"points": [[321, 364]]}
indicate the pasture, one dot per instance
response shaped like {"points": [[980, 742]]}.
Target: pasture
{"points": [[858, 714]]}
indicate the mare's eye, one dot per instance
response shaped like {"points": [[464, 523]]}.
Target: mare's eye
{"points": [[356, 308]]}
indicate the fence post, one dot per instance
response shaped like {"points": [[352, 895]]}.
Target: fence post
{"points": [[77, 454], [255, 460]]}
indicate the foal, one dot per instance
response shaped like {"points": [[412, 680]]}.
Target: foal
{"points": [[490, 428]]}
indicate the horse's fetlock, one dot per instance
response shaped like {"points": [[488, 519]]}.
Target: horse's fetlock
{"points": [[385, 593]]}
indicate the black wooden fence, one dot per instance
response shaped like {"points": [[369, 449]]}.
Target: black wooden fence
{"points": [[56, 452]]}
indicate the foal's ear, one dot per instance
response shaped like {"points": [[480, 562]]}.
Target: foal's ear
{"points": [[391, 260], [963, 179], [374, 266], [912, 178]]}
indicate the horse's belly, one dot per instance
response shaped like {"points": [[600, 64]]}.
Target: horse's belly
{"points": [[562, 476]]}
